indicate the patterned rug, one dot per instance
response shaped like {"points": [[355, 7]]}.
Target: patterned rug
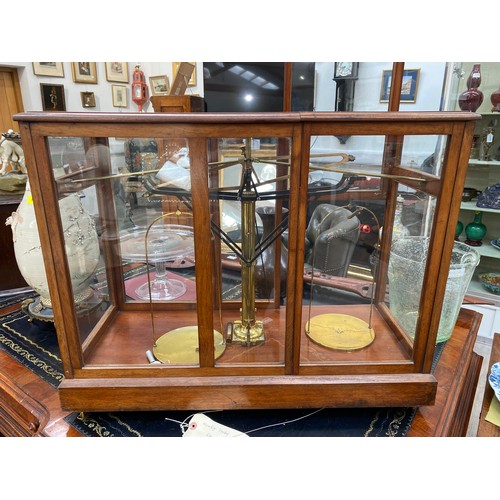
{"points": [[34, 344]]}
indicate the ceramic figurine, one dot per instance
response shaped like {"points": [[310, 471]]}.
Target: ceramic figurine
{"points": [[11, 152]]}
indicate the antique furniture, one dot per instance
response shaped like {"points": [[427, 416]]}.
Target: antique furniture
{"points": [[11, 276], [223, 346], [177, 103]]}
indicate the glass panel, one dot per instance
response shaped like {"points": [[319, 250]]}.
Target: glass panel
{"points": [[82, 229], [348, 204], [352, 86], [129, 240], [423, 86], [303, 86], [158, 250], [243, 86], [408, 256], [250, 178], [424, 153]]}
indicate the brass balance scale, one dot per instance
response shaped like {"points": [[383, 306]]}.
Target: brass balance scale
{"points": [[335, 331]]}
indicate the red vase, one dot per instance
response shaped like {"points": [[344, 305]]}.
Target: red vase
{"points": [[474, 79], [495, 100], [470, 100]]}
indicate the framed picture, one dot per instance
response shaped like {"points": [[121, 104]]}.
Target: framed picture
{"points": [[119, 93], [52, 97], [192, 79], [117, 72], [88, 99], [159, 84], [408, 88], [48, 69], [84, 72]]}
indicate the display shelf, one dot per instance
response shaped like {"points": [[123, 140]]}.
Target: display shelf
{"points": [[477, 290], [471, 205], [482, 173], [487, 250], [490, 163]]}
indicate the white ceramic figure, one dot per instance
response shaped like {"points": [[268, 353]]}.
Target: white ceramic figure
{"points": [[11, 152]]}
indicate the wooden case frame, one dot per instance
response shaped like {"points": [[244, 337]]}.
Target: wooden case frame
{"points": [[151, 387]]}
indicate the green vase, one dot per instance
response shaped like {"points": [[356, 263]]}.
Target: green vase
{"points": [[475, 231], [458, 231]]}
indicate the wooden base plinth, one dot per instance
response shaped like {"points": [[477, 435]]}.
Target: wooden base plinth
{"points": [[225, 393]]}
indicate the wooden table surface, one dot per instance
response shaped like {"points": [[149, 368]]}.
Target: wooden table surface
{"points": [[457, 374], [485, 428]]}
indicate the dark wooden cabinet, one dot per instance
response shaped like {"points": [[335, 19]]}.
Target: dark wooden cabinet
{"points": [[10, 277]]}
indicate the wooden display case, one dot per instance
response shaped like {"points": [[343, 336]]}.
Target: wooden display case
{"points": [[227, 340]]}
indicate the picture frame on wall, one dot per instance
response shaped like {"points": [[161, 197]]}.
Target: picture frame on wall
{"points": [[84, 72], [159, 85], [88, 99], [48, 69], [52, 97], [408, 88], [117, 72], [192, 80], [119, 94]]}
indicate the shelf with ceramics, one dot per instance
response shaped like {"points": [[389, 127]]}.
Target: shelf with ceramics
{"points": [[486, 241], [479, 91], [472, 205], [480, 228]]}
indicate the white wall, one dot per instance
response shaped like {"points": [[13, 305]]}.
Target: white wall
{"points": [[30, 86]]}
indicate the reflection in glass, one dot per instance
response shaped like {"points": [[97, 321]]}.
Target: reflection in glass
{"points": [[158, 245]]}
